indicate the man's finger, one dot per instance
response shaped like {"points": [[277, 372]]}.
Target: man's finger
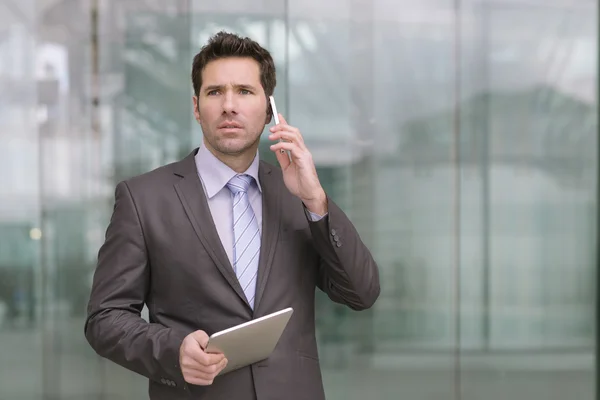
{"points": [[205, 372], [223, 364], [288, 136], [200, 364], [205, 377], [282, 119], [288, 146], [214, 358], [282, 158], [188, 373], [281, 150], [284, 127], [191, 357]]}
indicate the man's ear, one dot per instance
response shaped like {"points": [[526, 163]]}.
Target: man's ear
{"points": [[196, 105], [269, 114]]}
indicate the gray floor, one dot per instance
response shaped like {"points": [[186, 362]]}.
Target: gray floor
{"points": [[79, 374]]}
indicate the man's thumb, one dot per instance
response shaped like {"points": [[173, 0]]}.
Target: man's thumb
{"points": [[282, 158], [201, 337]]}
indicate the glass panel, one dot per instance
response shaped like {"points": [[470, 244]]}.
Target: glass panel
{"points": [[68, 171], [75, 121], [367, 73], [21, 278], [528, 145]]}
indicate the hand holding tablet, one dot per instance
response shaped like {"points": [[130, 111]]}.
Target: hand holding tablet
{"points": [[203, 358], [199, 367], [249, 342]]}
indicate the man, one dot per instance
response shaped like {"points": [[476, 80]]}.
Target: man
{"points": [[221, 238]]}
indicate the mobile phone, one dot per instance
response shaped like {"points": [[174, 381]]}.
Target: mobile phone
{"points": [[274, 109], [276, 117]]}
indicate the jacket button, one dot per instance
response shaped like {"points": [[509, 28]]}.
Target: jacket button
{"points": [[333, 232], [338, 244]]}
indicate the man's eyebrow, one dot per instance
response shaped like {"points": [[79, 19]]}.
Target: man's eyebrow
{"points": [[243, 86], [236, 85], [212, 87]]}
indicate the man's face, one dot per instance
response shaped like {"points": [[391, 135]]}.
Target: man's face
{"points": [[231, 106]]}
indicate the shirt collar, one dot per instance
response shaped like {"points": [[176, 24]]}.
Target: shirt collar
{"points": [[215, 174]]}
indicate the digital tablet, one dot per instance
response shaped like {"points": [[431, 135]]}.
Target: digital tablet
{"points": [[249, 342]]}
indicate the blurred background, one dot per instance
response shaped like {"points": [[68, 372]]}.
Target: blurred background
{"points": [[461, 137]]}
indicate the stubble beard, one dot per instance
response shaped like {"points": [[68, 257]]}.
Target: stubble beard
{"points": [[233, 149]]}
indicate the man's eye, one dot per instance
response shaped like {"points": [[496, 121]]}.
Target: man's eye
{"points": [[213, 92], [245, 91]]}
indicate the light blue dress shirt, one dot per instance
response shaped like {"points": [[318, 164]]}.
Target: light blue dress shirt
{"points": [[214, 175]]}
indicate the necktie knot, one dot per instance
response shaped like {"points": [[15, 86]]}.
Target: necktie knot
{"points": [[239, 183]]}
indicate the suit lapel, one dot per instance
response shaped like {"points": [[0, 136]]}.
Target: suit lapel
{"points": [[271, 197], [192, 197]]}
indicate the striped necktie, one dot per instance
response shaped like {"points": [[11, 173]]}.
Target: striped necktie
{"points": [[246, 236]]}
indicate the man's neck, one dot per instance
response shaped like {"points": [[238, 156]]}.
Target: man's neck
{"points": [[239, 164]]}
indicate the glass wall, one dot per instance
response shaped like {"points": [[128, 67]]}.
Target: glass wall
{"points": [[460, 137]]}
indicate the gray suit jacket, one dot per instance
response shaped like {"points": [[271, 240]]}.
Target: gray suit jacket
{"points": [[162, 249]]}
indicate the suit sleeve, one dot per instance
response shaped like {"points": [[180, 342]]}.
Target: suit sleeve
{"points": [[347, 271], [114, 327]]}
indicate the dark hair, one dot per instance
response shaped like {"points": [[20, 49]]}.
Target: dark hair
{"points": [[224, 45]]}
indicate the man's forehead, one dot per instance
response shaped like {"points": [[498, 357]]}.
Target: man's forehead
{"points": [[232, 67], [231, 73]]}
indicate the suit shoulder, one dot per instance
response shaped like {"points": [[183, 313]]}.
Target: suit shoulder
{"points": [[151, 179]]}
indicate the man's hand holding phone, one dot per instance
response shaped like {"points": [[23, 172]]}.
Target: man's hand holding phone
{"points": [[299, 173], [197, 366]]}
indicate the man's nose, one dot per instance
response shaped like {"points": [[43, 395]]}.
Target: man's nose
{"points": [[229, 105]]}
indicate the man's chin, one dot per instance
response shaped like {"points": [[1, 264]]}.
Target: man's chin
{"points": [[236, 149]]}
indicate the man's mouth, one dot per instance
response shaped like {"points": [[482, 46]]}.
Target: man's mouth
{"points": [[230, 125]]}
